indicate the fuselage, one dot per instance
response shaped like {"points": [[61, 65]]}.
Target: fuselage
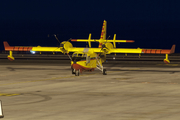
{"points": [[84, 61]]}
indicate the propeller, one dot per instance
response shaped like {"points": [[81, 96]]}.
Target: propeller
{"points": [[57, 38], [60, 43]]}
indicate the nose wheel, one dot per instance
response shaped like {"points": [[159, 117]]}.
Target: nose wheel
{"points": [[73, 71], [76, 72]]}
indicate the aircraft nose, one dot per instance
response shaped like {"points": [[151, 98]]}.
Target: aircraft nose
{"points": [[76, 66], [74, 62]]}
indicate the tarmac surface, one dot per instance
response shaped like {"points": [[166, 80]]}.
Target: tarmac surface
{"points": [[131, 90]]}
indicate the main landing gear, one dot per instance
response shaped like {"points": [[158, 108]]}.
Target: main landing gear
{"points": [[73, 71], [104, 72], [100, 67], [77, 72]]}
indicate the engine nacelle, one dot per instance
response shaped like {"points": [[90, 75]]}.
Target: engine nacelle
{"points": [[65, 45], [107, 46]]}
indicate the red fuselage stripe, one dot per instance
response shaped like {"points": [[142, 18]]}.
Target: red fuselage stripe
{"points": [[77, 67]]}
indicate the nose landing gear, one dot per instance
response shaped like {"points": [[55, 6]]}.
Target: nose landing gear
{"points": [[77, 72], [73, 71]]}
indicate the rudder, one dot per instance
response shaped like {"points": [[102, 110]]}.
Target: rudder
{"points": [[103, 32]]}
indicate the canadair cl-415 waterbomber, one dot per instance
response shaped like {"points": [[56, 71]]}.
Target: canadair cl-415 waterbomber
{"points": [[87, 59]]}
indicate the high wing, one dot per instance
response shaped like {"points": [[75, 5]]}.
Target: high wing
{"points": [[124, 50], [70, 48], [50, 49], [107, 48], [85, 50], [30, 48], [144, 51]]}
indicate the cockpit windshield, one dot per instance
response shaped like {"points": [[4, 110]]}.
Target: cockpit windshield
{"points": [[79, 56]]}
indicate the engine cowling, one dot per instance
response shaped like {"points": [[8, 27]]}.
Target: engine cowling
{"points": [[107, 46], [65, 45]]}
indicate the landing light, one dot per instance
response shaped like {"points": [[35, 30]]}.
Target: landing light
{"points": [[32, 52]]}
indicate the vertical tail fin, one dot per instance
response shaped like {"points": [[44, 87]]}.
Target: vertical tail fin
{"points": [[103, 33]]}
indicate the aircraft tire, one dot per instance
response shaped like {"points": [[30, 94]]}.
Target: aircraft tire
{"points": [[73, 71], [104, 72], [77, 73]]}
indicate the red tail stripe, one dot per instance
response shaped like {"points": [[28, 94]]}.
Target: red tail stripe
{"points": [[81, 68], [100, 45]]}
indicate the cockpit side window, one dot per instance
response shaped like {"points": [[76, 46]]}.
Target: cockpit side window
{"points": [[79, 55], [74, 55]]}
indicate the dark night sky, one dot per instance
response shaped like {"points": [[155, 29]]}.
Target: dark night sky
{"points": [[151, 23]]}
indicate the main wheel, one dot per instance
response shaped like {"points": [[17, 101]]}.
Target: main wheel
{"points": [[73, 71], [77, 73], [104, 72]]}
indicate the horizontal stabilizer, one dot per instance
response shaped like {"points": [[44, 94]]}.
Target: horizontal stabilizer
{"points": [[103, 41]]}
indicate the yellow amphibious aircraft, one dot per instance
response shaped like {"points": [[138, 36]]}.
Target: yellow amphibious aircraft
{"points": [[87, 59]]}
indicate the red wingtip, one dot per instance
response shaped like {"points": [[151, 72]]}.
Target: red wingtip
{"points": [[173, 49], [6, 44]]}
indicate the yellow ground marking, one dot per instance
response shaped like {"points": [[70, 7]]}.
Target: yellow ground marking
{"points": [[8, 94]]}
